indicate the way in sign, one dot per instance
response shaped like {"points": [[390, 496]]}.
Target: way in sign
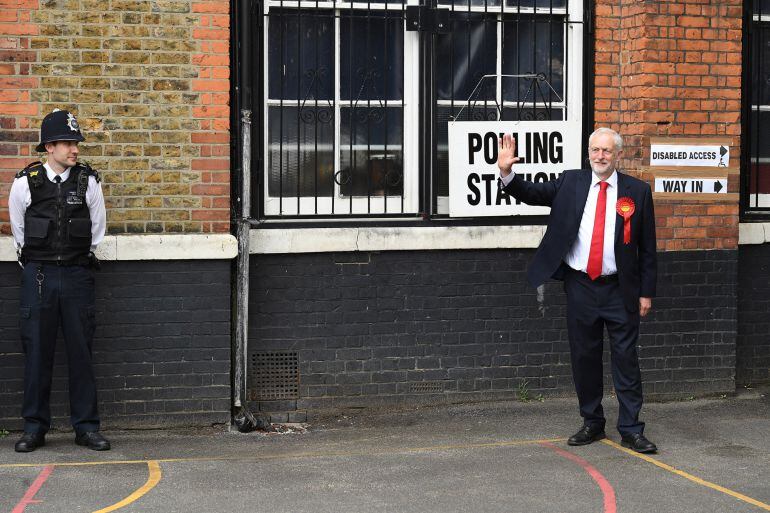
{"points": [[681, 186], [691, 185]]}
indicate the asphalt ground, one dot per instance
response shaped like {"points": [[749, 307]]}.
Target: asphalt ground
{"points": [[491, 457]]}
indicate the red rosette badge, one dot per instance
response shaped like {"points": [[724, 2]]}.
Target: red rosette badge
{"points": [[625, 208]]}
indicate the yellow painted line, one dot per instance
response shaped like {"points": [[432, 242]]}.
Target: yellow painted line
{"points": [[318, 454], [155, 475], [691, 477]]}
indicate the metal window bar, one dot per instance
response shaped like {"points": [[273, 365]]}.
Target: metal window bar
{"points": [[755, 159], [299, 118], [370, 78], [280, 125], [315, 133]]}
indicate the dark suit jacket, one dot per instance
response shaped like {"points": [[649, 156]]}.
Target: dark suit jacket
{"points": [[567, 195]]}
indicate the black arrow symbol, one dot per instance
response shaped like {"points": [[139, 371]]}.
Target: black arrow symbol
{"points": [[717, 186]]}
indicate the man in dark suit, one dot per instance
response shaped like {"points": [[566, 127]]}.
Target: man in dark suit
{"points": [[600, 241]]}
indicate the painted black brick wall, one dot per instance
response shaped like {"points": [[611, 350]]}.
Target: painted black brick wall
{"points": [[753, 315], [161, 351], [689, 342], [368, 326]]}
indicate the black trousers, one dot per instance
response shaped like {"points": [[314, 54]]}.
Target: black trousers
{"points": [[592, 305], [53, 296]]}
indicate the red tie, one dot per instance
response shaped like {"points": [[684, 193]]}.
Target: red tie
{"points": [[594, 268]]}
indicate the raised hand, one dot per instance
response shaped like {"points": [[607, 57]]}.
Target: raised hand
{"points": [[506, 154]]}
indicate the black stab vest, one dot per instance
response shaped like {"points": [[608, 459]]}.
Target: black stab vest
{"points": [[57, 224]]}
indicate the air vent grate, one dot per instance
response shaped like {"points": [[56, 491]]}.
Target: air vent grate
{"points": [[273, 376], [427, 387]]}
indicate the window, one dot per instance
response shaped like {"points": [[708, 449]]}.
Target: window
{"points": [[755, 189], [343, 84], [340, 101], [496, 42]]}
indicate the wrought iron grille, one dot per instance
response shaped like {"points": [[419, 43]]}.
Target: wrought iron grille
{"points": [[755, 183], [486, 38], [335, 109], [344, 132]]}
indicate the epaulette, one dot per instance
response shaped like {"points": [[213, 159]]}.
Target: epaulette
{"points": [[34, 173], [84, 166], [32, 166]]}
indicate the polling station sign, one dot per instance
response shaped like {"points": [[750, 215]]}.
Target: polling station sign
{"points": [[546, 148]]}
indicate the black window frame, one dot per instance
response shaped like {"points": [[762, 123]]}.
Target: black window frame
{"points": [[754, 30]]}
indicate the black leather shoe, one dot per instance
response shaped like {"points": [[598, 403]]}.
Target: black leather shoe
{"points": [[93, 440], [638, 442], [587, 435], [29, 442]]}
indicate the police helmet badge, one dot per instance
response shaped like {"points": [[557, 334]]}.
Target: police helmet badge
{"points": [[72, 122]]}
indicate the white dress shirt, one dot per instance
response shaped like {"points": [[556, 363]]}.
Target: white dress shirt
{"points": [[20, 198], [577, 257]]}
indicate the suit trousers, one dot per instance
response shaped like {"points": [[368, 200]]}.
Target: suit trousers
{"points": [[53, 296], [592, 306]]}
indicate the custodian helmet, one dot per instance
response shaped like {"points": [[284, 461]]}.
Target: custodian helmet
{"points": [[59, 125]]}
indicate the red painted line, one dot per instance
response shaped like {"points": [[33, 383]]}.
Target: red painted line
{"points": [[32, 490], [610, 505]]}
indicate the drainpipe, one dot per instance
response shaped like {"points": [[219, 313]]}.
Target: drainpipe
{"points": [[242, 20], [242, 266]]}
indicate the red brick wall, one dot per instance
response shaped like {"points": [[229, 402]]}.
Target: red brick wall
{"points": [[673, 69], [16, 85], [149, 82]]}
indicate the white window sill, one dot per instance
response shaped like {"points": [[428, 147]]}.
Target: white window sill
{"points": [[324, 240], [753, 233], [215, 246]]}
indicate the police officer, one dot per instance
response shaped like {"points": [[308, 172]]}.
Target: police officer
{"points": [[58, 218]]}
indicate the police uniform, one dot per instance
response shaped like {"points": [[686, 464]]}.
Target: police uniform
{"points": [[57, 221]]}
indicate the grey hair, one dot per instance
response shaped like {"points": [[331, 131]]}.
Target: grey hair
{"points": [[613, 133]]}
